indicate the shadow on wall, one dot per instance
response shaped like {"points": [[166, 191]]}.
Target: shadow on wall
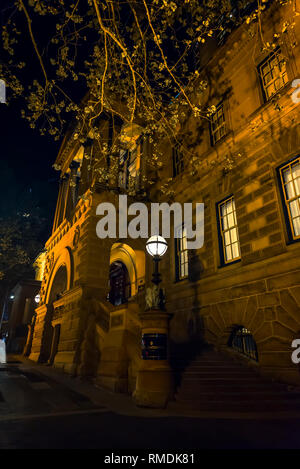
{"points": [[186, 327]]}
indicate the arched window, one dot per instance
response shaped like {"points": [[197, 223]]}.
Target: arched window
{"points": [[242, 341], [120, 287]]}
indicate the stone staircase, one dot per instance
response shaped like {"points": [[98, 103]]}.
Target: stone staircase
{"points": [[213, 381]]}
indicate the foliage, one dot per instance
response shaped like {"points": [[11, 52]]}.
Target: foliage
{"points": [[138, 60], [19, 245], [135, 60]]}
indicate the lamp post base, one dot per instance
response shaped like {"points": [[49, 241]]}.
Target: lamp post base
{"points": [[154, 385]]}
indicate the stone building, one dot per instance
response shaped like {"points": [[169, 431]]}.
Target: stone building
{"points": [[241, 290], [20, 308]]}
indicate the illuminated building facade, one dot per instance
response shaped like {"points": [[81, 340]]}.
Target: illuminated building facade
{"points": [[241, 290]]}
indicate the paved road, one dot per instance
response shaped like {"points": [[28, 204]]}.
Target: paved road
{"points": [[39, 412]]}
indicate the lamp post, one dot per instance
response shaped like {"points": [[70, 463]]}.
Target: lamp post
{"points": [[154, 386], [156, 246]]}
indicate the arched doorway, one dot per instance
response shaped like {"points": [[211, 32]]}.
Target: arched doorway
{"points": [[119, 282], [59, 286]]}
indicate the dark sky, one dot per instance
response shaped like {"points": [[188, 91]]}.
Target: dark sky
{"points": [[27, 177], [28, 180]]}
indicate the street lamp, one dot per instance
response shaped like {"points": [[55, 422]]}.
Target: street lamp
{"points": [[154, 383], [37, 298], [156, 246]]}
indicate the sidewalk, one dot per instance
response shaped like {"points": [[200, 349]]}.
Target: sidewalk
{"points": [[123, 404]]}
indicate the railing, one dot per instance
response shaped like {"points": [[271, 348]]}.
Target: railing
{"points": [[242, 341]]}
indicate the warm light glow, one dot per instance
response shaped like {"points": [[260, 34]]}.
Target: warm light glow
{"points": [[156, 246], [39, 265]]}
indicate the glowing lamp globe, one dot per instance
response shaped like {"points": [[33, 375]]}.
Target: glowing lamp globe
{"points": [[156, 246], [37, 298]]}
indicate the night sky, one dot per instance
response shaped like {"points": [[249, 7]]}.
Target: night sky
{"points": [[28, 181], [27, 177]]}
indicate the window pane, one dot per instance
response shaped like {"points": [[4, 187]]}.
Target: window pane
{"points": [[182, 258], [287, 176], [229, 231], [233, 235], [296, 225], [289, 189], [225, 223], [273, 74], [229, 207], [296, 170], [217, 126], [226, 238], [297, 186], [182, 253], [228, 253], [291, 177], [185, 256], [235, 250], [223, 210], [294, 207], [230, 219]]}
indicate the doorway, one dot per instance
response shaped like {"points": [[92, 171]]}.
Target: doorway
{"points": [[119, 281]]}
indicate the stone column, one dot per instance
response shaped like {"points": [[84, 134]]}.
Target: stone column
{"points": [[27, 348], [154, 386], [42, 338], [55, 341]]}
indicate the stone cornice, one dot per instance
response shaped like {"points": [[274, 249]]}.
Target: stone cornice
{"points": [[66, 225], [256, 127]]}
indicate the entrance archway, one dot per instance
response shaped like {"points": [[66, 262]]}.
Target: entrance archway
{"points": [[120, 285], [59, 284], [58, 287]]}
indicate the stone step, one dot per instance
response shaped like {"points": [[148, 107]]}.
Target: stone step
{"points": [[234, 406], [220, 379], [201, 374], [203, 361], [213, 382], [215, 368], [227, 388], [238, 396]]}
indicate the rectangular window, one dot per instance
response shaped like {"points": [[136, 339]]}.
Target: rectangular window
{"points": [[290, 180], [273, 74], [218, 124], [182, 264], [228, 231], [129, 167], [178, 163], [123, 168]]}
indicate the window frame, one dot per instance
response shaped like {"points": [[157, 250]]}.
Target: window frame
{"points": [[129, 164], [178, 251], [180, 161], [212, 132], [285, 202], [277, 52], [223, 261]]}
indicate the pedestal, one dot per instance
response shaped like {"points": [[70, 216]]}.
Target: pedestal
{"points": [[154, 386]]}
